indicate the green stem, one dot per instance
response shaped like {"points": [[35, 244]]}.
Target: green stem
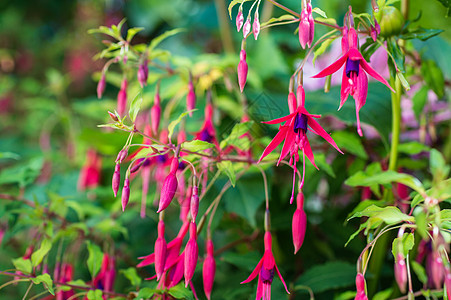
{"points": [[224, 27], [396, 122]]}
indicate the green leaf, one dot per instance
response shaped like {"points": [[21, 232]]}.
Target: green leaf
{"points": [[95, 295], [439, 168], [318, 11], [419, 271], [389, 214], [9, 155], [421, 222], [146, 293], [135, 106], [412, 148], [174, 123], [330, 21], [132, 275], [278, 19], [197, 145], [328, 276], [383, 295], [362, 179], [38, 255], [232, 4], [180, 292], [433, 76], [226, 167], [132, 32], [420, 33], [322, 48], [350, 142], [323, 165], [46, 281], [23, 173], [94, 259], [156, 41], [403, 245], [23, 265], [235, 138], [398, 56], [419, 100]]}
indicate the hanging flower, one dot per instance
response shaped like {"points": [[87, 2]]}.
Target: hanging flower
{"points": [[306, 26]]}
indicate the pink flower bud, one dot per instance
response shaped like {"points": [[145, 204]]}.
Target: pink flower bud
{"points": [[306, 26], [169, 187], [125, 193], [292, 105], [101, 86], [191, 254], [137, 165], [242, 70], [160, 251], [437, 270], [116, 179], [181, 137], [256, 26], [155, 114], [194, 205], [300, 95], [122, 98], [360, 282], [121, 156], [113, 117], [373, 33], [209, 269], [247, 27], [299, 223], [143, 72], [190, 98], [239, 19], [401, 272]]}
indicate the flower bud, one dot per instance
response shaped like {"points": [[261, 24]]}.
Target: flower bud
{"points": [[191, 254], [390, 19], [360, 282], [143, 72], [209, 269], [121, 156], [137, 165], [155, 114], [125, 193], [160, 251], [113, 117], [306, 26], [239, 19], [194, 204], [437, 269], [292, 102], [300, 95], [190, 98], [122, 98], [169, 187], [256, 26], [242, 70], [401, 272], [247, 27], [299, 224], [116, 179], [101, 86], [448, 282]]}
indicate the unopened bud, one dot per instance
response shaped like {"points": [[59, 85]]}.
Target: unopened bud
{"points": [[239, 19], [242, 70], [299, 223], [137, 165], [113, 117], [247, 27], [194, 205], [256, 26], [155, 114], [122, 98], [191, 254], [116, 179], [142, 74], [190, 98], [160, 251], [125, 193], [121, 156], [101, 86], [209, 269], [401, 272]]}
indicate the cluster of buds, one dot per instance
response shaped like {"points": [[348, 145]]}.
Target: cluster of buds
{"points": [[247, 25]]}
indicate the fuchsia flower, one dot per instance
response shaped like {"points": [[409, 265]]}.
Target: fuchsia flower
{"points": [[306, 26], [239, 19], [191, 254], [143, 74], [256, 26], [294, 132], [360, 285], [104, 280], [101, 86], [354, 80], [169, 186], [208, 133], [209, 269], [299, 223], [265, 269], [242, 70], [90, 172], [122, 98], [155, 114], [247, 27], [125, 193], [190, 98], [401, 272], [160, 251]]}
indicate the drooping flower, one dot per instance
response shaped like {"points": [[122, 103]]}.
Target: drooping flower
{"points": [[122, 98], [294, 132], [401, 272], [191, 254], [208, 133], [299, 223], [104, 280], [155, 114], [247, 27], [90, 172], [265, 269], [306, 26], [239, 19], [360, 285], [125, 193], [160, 251], [101, 86], [209, 269], [354, 80], [242, 70], [169, 186], [143, 73], [190, 98]]}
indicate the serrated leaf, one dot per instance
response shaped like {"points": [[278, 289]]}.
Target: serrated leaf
{"points": [[389, 214], [197, 145], [38, 255], [349, 142], [94, 259], [328, 276], [46, 281], [174, 123], [23, 265], [135, 106], [156, 41], [412, 148], [226, 167], [180, 292], [132, 275]]}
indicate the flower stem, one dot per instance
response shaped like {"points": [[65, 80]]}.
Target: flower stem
{"points": [[396, 123]]}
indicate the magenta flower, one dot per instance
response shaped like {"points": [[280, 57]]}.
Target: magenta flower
{"points": [[354, 80], [239, 19], [101, 86], [190, 98], [306, 26], [209, 269], [90, 172], [294, 132], [208, 133], [104, 280], [122, 98], [160, 251], [155, 114], [242, 70], [299, 223], [247, 27], [256, 26], [360, 285], [169, 186], [265, 269], [401, 272], [191, 254], [125, 193]]}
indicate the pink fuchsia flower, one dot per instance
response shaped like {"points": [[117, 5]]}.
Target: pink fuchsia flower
{"points": [[122, 98], [125, 193], [190, 98], [155, 114], [208, 133], [401, 272], [294, 132], [116, 179], [242, 70], [239, 19], [354, 80], [256, 26], [360, 285], [191, 254], [104, 280], [160, 251], [169, 186], [66, 276], [209, 269], [299, 223], [306, 26], [265, 270], [90, 172], [143, 74], [101, 86], [194, 204]]}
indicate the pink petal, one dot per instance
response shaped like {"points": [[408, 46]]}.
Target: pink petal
{"points": [[303, 111], [274, 143], [308, 152], [334, 67], [345, 89], [280, 120], [289, 141], [255, 272], [321, 132], [281, 279], [259, 294], [354, 54], [374, 74]]}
